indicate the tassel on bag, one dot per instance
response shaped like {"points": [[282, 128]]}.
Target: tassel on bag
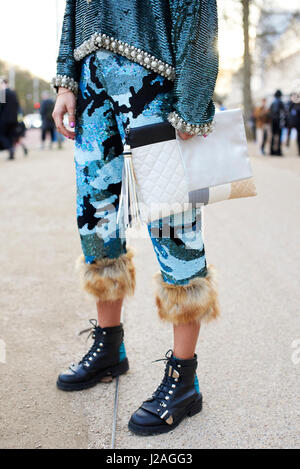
{"points": [[129, 197]]}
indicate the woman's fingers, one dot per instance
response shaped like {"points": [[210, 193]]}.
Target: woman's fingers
{"points": [[58, 119], [65, 103], [58, 116], [72, 121], [184, 136]]}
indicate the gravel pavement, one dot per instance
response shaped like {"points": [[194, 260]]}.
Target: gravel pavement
{"points": [[249, 360]]}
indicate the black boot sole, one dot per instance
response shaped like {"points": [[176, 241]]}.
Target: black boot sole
{"points": [[112, 372], [191, 410]]}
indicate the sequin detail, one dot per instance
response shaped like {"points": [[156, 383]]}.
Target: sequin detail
{"points": [[98, 41], [179, 35], [114, 93], [65, 82], [192, 129]]}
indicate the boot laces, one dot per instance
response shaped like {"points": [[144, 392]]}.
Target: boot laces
{"points": [[91, 330], [96, 348], [165, 389]]}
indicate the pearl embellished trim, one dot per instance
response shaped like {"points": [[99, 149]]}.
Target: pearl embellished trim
{"points": [[201, 129], [98, 41], [65, 82]]}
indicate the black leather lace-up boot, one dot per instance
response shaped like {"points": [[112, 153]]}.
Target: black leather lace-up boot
{"points": [[105, 359], [176, 397]]}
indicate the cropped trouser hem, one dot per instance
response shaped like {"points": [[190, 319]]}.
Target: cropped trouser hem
{"points": [[194, 302], [108, 279]]}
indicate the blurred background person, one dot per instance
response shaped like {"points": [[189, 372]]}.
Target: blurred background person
{"points": [[8, 118], [59, 138], [261, 116], [278, 121], [293, 118], [48, 126], [220, 106], [289, 118], [252, 125], [21, 133], [296, 121]]}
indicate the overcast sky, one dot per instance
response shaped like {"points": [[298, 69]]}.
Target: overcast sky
{"points": [[28, 33]]}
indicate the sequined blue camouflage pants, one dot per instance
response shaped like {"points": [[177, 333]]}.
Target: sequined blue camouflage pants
{"points": [[114, 93]]}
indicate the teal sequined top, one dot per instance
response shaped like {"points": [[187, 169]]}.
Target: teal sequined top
{"points": [[175, 38]]}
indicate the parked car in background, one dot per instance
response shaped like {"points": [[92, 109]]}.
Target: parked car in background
{"points": [[33, 121]]}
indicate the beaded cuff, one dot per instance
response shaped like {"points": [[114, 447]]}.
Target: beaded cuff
{"points": [[192, 129], [65, 82], [98, 41]]}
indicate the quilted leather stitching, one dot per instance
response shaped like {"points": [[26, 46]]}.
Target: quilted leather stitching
{"points": [[160, 175]]}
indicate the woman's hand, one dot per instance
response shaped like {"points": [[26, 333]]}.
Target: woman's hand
{"points": [[65, 103], [184, 136]]}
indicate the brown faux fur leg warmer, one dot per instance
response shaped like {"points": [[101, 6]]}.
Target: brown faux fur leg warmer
{"points": [[108, 279], [183, 304]]}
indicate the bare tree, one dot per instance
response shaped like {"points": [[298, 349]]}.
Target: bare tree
{"points": [[265, 34], [246, 69], [247, 62]]}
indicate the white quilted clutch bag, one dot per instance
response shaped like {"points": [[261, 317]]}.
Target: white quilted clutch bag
{"points": [[163, 174], [161, 182]]}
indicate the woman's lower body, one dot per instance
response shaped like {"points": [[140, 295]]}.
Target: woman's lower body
{"points": [[289, 133], [261, 138], [8, 139], [115, 94], [276, 127]]}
